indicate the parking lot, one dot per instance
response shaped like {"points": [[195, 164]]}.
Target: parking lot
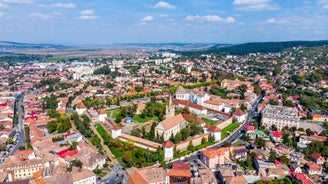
{"points": [[215, 116]]}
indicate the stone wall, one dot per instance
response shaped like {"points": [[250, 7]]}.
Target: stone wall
{"points": [[224, 123], [195, 141]]}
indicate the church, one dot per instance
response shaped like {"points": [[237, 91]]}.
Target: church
{"points": [[172, 123]]}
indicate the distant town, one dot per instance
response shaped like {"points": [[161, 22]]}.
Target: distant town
{"points": [[164, 116]]}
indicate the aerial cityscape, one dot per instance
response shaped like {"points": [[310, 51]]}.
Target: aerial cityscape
{"points": [[164, 92]]}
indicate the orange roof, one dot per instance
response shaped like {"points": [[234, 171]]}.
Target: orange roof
{"points": [[29, 120], [180, 173], [239, 112], [210, 153], [168, 144], [171, 122], [214, 128], [212, 102], [40, 181], [318, 137], [38, 174], [81, 106], [116, 127], [102, 111]]}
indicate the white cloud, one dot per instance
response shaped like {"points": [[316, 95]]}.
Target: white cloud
{"points": [[209, 18], [271, 21], [88, 15], [163, 15], [147, 18], [254, 5], [1, 14], [63, 5], [323, 3], [164, 5], [143, 24], [3, 6], [19, 1], [40, 16]]}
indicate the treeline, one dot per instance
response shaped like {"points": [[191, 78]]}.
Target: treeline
{"points": [[106, 71], [262, 47]]}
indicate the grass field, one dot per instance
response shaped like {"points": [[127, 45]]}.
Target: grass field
{"points": [[230, 128], [102, 132], [116, 111], [138, 119], [209, 121]]}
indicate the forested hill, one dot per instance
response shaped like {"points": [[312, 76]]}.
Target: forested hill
{"points": [[262, 47]]}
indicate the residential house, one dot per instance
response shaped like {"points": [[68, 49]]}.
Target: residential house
{"points": [[317, 158], [179, 173], [257, 133], [239, 152], [83, 176], [215, 156], [313, 168], [276, 136], [145, 175]]}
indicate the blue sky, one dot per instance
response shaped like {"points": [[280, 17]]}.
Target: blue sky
{"points": [[153, 21]]}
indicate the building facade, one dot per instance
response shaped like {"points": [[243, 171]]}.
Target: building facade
{"points": [[280, 116]]}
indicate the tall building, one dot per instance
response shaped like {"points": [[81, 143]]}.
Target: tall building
{"points": [[280, 116], [170, 110]]}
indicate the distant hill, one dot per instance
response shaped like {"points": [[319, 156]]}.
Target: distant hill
{"points": [[264, 47], [5, 45], [167, 46]]}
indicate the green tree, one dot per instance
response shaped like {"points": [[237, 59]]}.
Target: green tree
{"points": [[186, 110], [203, 140], [160, 154], [273, 102], [190, 146], [273, 156], [288, 103], [259, 142], [284, 159]]}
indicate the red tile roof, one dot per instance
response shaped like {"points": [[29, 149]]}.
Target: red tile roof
{"points": [[314, 167], [249, 128], [102, 111], [276, 134], [23, 152], [81, 106], [316, 156], [239, 112], [302, 177], [168, 144], [214, 128]]}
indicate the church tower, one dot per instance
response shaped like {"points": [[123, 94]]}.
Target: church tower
{"points": [[170, 108]]}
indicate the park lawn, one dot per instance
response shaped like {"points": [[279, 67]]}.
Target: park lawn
{"points": [[209, 121], [102, 132], [109, 111], [138, 119], [116, 153], [230, 128]]}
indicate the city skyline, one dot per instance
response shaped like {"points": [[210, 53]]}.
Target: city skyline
{"points": [[152, 21]]}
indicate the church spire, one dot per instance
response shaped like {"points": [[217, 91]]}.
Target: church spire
{"points": [[170, 108]]}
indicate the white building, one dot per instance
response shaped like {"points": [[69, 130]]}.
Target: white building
{"points": [[80, 108], [197, 97], [102, 115], [168, 147]]}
